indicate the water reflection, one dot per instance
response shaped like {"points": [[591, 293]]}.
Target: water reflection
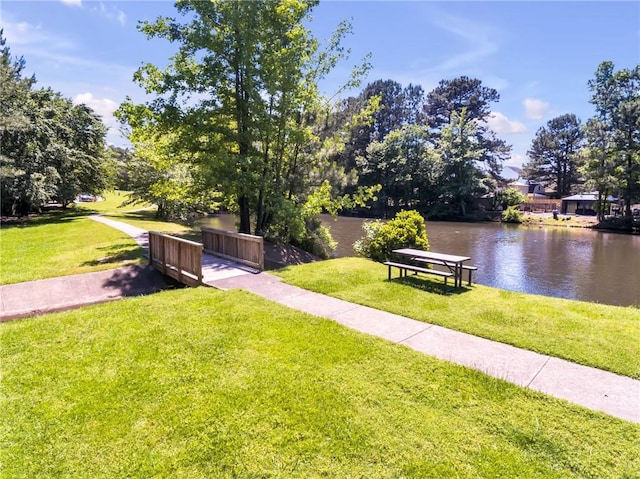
{"points": [[565, 263]]}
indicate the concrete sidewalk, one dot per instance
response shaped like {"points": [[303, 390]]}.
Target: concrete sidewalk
{"points": [[22, 300], [592, 388]]}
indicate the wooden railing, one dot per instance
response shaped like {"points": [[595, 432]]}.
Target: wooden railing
{"points": [[239, 247], [175, 257]]}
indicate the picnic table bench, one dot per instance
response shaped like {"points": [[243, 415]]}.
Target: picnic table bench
{"points": [[404, 267], [455, 264], [465, 267]]}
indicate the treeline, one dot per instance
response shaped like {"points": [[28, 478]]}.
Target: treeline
{"points": [[50, 149], [601, 155], [237, 120]]}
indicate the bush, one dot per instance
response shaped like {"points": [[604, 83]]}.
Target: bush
{"points": [[406, 230], [512, 215], [511, 197]]}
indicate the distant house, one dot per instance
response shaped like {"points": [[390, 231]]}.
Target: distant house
{"points": [[532, 190], [584, 204]]}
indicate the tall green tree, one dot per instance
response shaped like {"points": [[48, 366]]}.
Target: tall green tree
{"points": [[397, 106], [14, 92], [616, 97], [601, 169], [159, 173], [51, 148], [460, 150], [242, 95], [555, 157], [407, 166], [444, 105]]}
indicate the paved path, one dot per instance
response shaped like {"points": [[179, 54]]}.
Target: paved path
{"points": [[595, 389], [589, 387]]}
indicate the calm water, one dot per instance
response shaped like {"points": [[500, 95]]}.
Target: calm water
{"points": [[565, 263]]}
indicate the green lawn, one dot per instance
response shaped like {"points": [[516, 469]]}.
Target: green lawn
{"points": [[113, 202], [60, 244], [203, 383], [606, 337]]}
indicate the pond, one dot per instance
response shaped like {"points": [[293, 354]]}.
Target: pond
{"points": [[571, 263]]}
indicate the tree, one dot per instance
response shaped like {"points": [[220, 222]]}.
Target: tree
{"points": [[510, 197], [51, 148], [241, 93], [450, 98], [616, 97], [555, 154], [14, 92], [14, 123], [396, 107], [460, 150], [157, 172], [407, 166], [600, 168]]}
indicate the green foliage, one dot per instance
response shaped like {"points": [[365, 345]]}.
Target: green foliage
{"points": [[471, 102], [242, 99], [512, 215], [300, 225], [614, 135], [407, 166], [405, 230], [51, 148], [157, 174], [461, 151], [511, 197], [555, 154]]}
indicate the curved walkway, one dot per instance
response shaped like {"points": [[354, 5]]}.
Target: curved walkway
{"points": [[592, 388]]}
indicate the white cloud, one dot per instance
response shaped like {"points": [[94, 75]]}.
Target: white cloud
{"points": [[499, 123], [75, 3], [535, 109], [104, 107], [27, 34], [481, 41], [111, 13]]}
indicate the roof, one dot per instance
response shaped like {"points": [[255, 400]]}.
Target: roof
{"points": [[587, 197]]}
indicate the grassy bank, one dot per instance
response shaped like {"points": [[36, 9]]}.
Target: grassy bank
{"points": [[596, 335], [61, 244], [203, 383], [65, 242]]}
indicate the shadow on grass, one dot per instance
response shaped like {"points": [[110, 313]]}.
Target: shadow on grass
{"points": [[58, 216], [429, 285], [116, 254]]}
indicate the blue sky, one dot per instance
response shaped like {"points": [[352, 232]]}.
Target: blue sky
{"points": [[538, 55]]}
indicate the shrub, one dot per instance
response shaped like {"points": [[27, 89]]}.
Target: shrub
{"points": [[512, 197], [406, 230], [512, 215]]}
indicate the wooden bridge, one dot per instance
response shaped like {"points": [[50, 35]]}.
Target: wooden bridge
{"points": [[222, 254]]}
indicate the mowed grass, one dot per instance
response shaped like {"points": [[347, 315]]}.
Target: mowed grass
{"points": [[605, 337], [139, 215], [61, 244], [203, 383]]}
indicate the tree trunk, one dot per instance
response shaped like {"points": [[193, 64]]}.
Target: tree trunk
{"points": [[245, 216]]}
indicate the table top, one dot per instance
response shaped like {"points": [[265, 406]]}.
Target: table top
{"points": [[419, 253]]}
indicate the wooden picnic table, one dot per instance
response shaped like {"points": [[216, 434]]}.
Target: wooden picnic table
{"points": [[453, 262]]}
